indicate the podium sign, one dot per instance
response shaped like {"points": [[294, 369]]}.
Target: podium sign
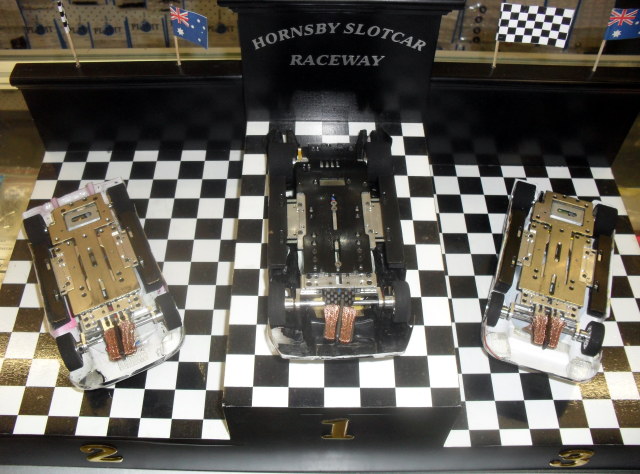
{"points": [[337, 60]]}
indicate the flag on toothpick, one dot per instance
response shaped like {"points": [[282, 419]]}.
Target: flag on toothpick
{"points": [[65, 25], [533, 24], [190, 26], [623, 24]]}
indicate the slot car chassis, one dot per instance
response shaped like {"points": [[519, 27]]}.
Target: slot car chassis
{"points": [[105, 300], [551, 291], [335, 250]]}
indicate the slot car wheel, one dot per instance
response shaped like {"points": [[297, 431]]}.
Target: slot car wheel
{"points": [[495, 303], [593, 344], [275, 304], [523, 195], [70, 355], [402, 307], [605, 220]]}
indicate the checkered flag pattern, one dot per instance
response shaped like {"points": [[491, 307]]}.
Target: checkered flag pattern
{"points": [[425, 376], [505, 405], [533, 24]]}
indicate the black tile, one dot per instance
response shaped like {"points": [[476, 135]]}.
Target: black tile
{"points": [[463, 287], [242, 339], [411, 371], [95, 171], [203, 273], [563, 186], [449, 203], [456, 243], [36, 400], [404, 209], [163, 188], [213, 188], [79, 156], [137, 381], [536, 386], [253, 185], [497, 204], [123, 427], [157, 228], [420, 186], [179, 293], [186, 429], [549, 437], [270, 371], [178, 251], [484, 264], [432, 283], [484, 438], [192, 375], [306, 397], [231, 208], [439, 340], [477, 387], [218, 350], [426, 232], [61, 425], [620, 287], [477, 223], [142, 170], [185, 208], [198, 322], [571, 414], [223, 297], [602, 436], [249, 230], [627, 413], [96, 402], [157, 403], [28, 320], [208, 229], [468, 334], [49, 171], [246, 282], [213, 405], [614, 359], [511, 415], [191, 170], [341, 373], [15, 372], [377, 397], [227, 250], [470, 185], [238, 396]]}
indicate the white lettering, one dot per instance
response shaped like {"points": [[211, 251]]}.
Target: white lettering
{"points": [[271, 38], [321, 61], [308, 30], [359, 31], [336, 60], [373, 31], [377, 59], [295, 60], [419, 45], [386, 31], [283, 34], [321, 28], [333, 27], [396, 35], [258, 43], [348, 29]]}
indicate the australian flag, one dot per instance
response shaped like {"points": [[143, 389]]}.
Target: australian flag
{"points": [[623, 24], [190, 26]]}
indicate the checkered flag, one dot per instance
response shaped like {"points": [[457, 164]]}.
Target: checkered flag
{"points": [[532, 24]]}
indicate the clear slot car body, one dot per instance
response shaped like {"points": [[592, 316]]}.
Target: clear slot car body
{"points": [[550, 295], [105, 300], [336, 263]]}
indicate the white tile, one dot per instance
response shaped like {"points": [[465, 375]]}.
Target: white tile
{"points": [[633, 356], [541, 414], [494, 186], [17, 272], [22, 345], [413, 279], [473, 360], [176, 273], [257, 128], [466, 310], [600, 414], [625, 309], [341, 397], [402, 187], [248, 255], [215, 375], [443, 371], [436, 311], [251, 207], [182, 229], [473, 204], [561, 172], [630, 436], [31, 297], [576, 436], [43, 373], [627, 244], [408, 233], [193, 155], [270, 397], [417, 345], [429, 257], [458, 439], [482, 244], [205, 250], [10, 400], [232, 190], [229, 229], [200, 297], [423, 209], [220, 322], [158, 248], [415, 129], [515, 437], [452, 223], [188, 189], [467, 171], [612, 336], [513, 171], [71, 171], [634, 282], [188, 404], [30, 424], [195, 348], [482, 415], [92, 426], [211, 208], [140, 189], [446, 185], [239, 370], [43, 189], [159, 208], [397, 146], [622, 386], [225, 273], [308, 128], [377, 373], [127, 403], [263, 344], [413, 397], [335, 138], [54, 156], [564, 390], [7, 318], [254, 164], [459, 264], [167, 170], [154, 428], [146, 155], [66, 401], [507, 387], [118, 169], [215, 429], [585, 187], [417, 165], [215, 169], [162, 377], [244, 310]]}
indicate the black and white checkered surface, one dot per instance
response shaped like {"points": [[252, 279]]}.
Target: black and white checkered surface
{"points": [[504, 405], [534, 24], [189, 203], [425, 376]]}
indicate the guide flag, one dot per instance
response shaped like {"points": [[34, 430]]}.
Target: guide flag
{"points": [[623, 24], [533, 24], [190, 26]]}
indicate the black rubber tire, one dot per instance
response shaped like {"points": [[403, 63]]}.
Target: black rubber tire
{"points": [[402, 295], [68, 352], [605, 219], [36, 230], [494, 307], [276, 313], [523, 195], [167, 305], [593, 345]]}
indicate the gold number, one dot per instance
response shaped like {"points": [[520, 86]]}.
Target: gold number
{"points": [[338, 429], [100, 453], [572, 458]]}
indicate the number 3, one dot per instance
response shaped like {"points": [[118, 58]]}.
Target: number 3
{"points": [[572, 458]]}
